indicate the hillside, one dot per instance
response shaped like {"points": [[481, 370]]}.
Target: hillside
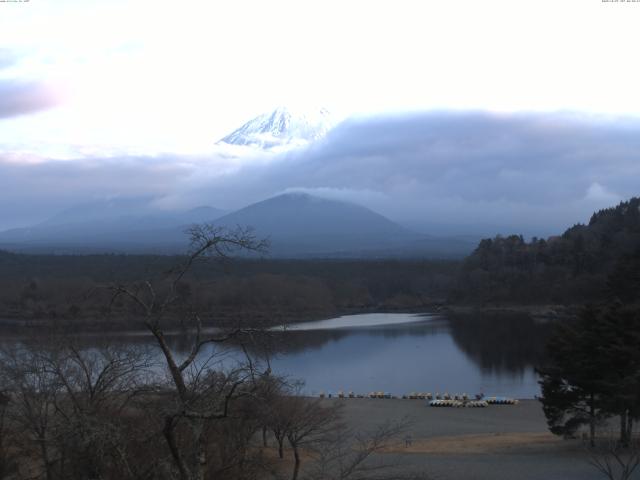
{"points": [[298, 225], [117, 225], [301, 224], [572, 267]]}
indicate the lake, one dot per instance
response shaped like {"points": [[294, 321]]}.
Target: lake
{"points": [[401, 353], [397, 353]]}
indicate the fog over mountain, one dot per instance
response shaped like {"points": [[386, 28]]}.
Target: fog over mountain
{"points": [[302, 215], [296, 225], [135, 211], [441, 173], [112, 225]]}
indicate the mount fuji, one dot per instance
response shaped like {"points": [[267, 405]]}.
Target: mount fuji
{"points": [[282, 128]]}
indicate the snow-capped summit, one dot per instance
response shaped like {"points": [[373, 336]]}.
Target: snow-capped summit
{"points": [[282, 127]]}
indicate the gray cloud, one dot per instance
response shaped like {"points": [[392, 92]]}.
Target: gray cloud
{"points": [[20, 98], [533, 172], [443, 172], [32, 192]]}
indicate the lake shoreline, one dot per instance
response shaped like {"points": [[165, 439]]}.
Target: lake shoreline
{"points": [[24, 326], [20, 326], [538, 312]]}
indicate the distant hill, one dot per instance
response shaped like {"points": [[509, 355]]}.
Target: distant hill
{"points": [[131, 213], [121, 225], [299, 224]]}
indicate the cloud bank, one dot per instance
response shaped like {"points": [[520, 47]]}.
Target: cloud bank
{"points": [[441, 172], [21, 98]]}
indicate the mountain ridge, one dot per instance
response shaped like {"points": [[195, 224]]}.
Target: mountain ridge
{"points": [[298, 224], [103, 222], [322, 227]]}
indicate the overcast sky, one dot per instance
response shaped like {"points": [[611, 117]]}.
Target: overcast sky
{"points": [[500, 113]]}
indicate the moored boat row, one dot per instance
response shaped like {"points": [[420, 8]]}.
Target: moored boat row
{"points": [[501, 401], [435, 400], [458, 403]]}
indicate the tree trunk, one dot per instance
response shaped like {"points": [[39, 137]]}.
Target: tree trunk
{"points": [[45, 459], [296, 466], [280, 447], [200, 453], [175, 372], [173, 448], [592, 422], [624, 434], [264, 436]]}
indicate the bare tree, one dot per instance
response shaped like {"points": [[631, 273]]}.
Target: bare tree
{"points": [[98, 384], [349, 455], [270, 390], [277, 419], [309, 422], [201, 393], [69, 403], [7, 464], [33, 394], [614, 460]]}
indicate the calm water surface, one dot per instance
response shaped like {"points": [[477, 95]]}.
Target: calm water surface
{"points": [[397, 353], [400, 353]]}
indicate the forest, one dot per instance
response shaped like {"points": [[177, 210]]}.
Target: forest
{"points": [[64, 290], [571, 268]]}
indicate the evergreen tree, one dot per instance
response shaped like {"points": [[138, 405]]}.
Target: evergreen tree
{"points": [[621, 354], [624, 282], [571, 381], [593, 371]]}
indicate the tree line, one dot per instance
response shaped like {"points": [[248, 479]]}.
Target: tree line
{"points": [[54, 291], [570, 268]]}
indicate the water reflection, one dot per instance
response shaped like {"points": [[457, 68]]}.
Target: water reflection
{"points": [[494, 354], [501, 343], [299, 340]]}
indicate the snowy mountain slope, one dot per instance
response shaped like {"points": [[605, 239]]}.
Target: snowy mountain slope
{"points": [[283, 127]]}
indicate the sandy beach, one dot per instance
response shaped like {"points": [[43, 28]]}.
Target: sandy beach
{"points": [[493, 443]]}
